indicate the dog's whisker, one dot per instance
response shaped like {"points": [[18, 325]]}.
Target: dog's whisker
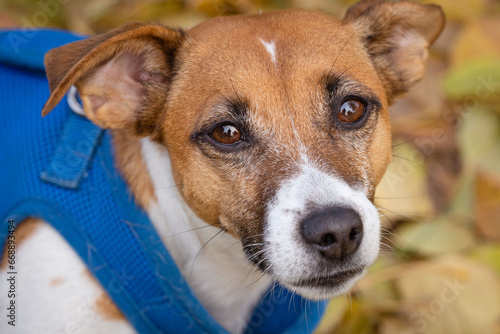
{"points": [[242, 240], [260, 251], [271, 291], [350, 299], [409, 160], [390, 241], [177, 185], [201, 249], [255, 267], [396, 249], [258, 279], [237, 242], [386, 245], [340, 52], [393, 224], [404, 142], [388, 232], [255, 255], [193, 229], [253, 236], [356, 292], [351, 67], [255, 244], [400, 197], [404, 215]]}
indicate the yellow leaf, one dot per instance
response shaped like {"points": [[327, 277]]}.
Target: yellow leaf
{"points": [[451, 294], [478, 40], [460, 10], [488, 254], [477, 137], [333, 315], [391, 325], [402, 193]]}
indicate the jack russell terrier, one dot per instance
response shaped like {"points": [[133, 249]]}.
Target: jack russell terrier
{"points": [[249, 147]]}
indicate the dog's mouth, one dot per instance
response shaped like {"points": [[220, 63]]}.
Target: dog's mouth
{"points": [[336, 280]]}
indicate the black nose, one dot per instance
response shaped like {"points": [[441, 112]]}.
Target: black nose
{"points": [[335, 232]]}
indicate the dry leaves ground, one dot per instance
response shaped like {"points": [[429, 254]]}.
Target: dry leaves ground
{"points": [[439, 271]]}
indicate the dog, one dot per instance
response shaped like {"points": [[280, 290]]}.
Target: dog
{"points": [[254, 145]]}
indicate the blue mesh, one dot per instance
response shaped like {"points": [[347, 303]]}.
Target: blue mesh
{"points": [[98, 216], [95, 216]]}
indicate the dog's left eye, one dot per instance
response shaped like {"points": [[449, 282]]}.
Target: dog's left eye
{"points": [[226, 134], [351, 111]]}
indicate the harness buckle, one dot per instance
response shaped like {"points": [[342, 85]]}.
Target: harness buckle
{"points": [[74, 101]]}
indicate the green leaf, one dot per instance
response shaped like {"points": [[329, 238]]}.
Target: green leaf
{"points": [[478, 137], [488, 254], [476, 81], [434, 238]]}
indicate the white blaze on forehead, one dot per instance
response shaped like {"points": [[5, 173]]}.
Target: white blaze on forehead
{"points": [[271, 49]]}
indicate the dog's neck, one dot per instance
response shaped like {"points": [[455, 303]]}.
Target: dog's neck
{"points": [[212, 262]]}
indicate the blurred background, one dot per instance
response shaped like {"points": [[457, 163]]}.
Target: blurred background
{"points": [[439, 269]]}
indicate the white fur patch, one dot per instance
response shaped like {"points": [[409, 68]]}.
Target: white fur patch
{"points": [[285, 250], [55, 293], [221, 277], [271, 49]]}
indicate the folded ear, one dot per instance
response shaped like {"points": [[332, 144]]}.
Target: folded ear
{"points": [[122, 76], [397, 37]]}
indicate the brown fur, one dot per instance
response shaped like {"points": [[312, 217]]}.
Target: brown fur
{"points": [[56, 281], [105, 307], [131, 164], [380, 25], [199, 78], [103, 304], [78, 62]]}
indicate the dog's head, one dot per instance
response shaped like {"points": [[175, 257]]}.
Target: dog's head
{"points": [[276, 124]]}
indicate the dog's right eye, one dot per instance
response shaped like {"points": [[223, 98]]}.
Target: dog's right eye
{"points": [[351, 111], [226, 134]]}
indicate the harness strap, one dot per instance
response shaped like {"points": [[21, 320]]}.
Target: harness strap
{"points": [[74, 152]]}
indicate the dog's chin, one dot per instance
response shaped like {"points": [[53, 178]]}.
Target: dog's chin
{"points": [[325, 287]]}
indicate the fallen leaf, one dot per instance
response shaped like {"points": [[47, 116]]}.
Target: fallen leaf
{"points": [[356, 319], [223, 7], [487, 205], [474, 82], [402, 193], [392, 325], [482, 34], [433, 238], [460, 10], [488, 254], [334, 315], [478, 136], [451, 294]]}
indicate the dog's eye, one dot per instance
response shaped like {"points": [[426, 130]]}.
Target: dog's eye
{"points": [[226, 134], [351, 111]]}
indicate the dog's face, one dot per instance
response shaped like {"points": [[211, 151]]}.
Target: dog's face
{"points": [[276, 124], [289, 129]]}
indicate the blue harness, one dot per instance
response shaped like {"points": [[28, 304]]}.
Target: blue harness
{"points": [[60, 169]]}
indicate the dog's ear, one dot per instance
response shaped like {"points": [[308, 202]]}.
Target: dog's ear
{"points": [[122, 76], [397, 37]]}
